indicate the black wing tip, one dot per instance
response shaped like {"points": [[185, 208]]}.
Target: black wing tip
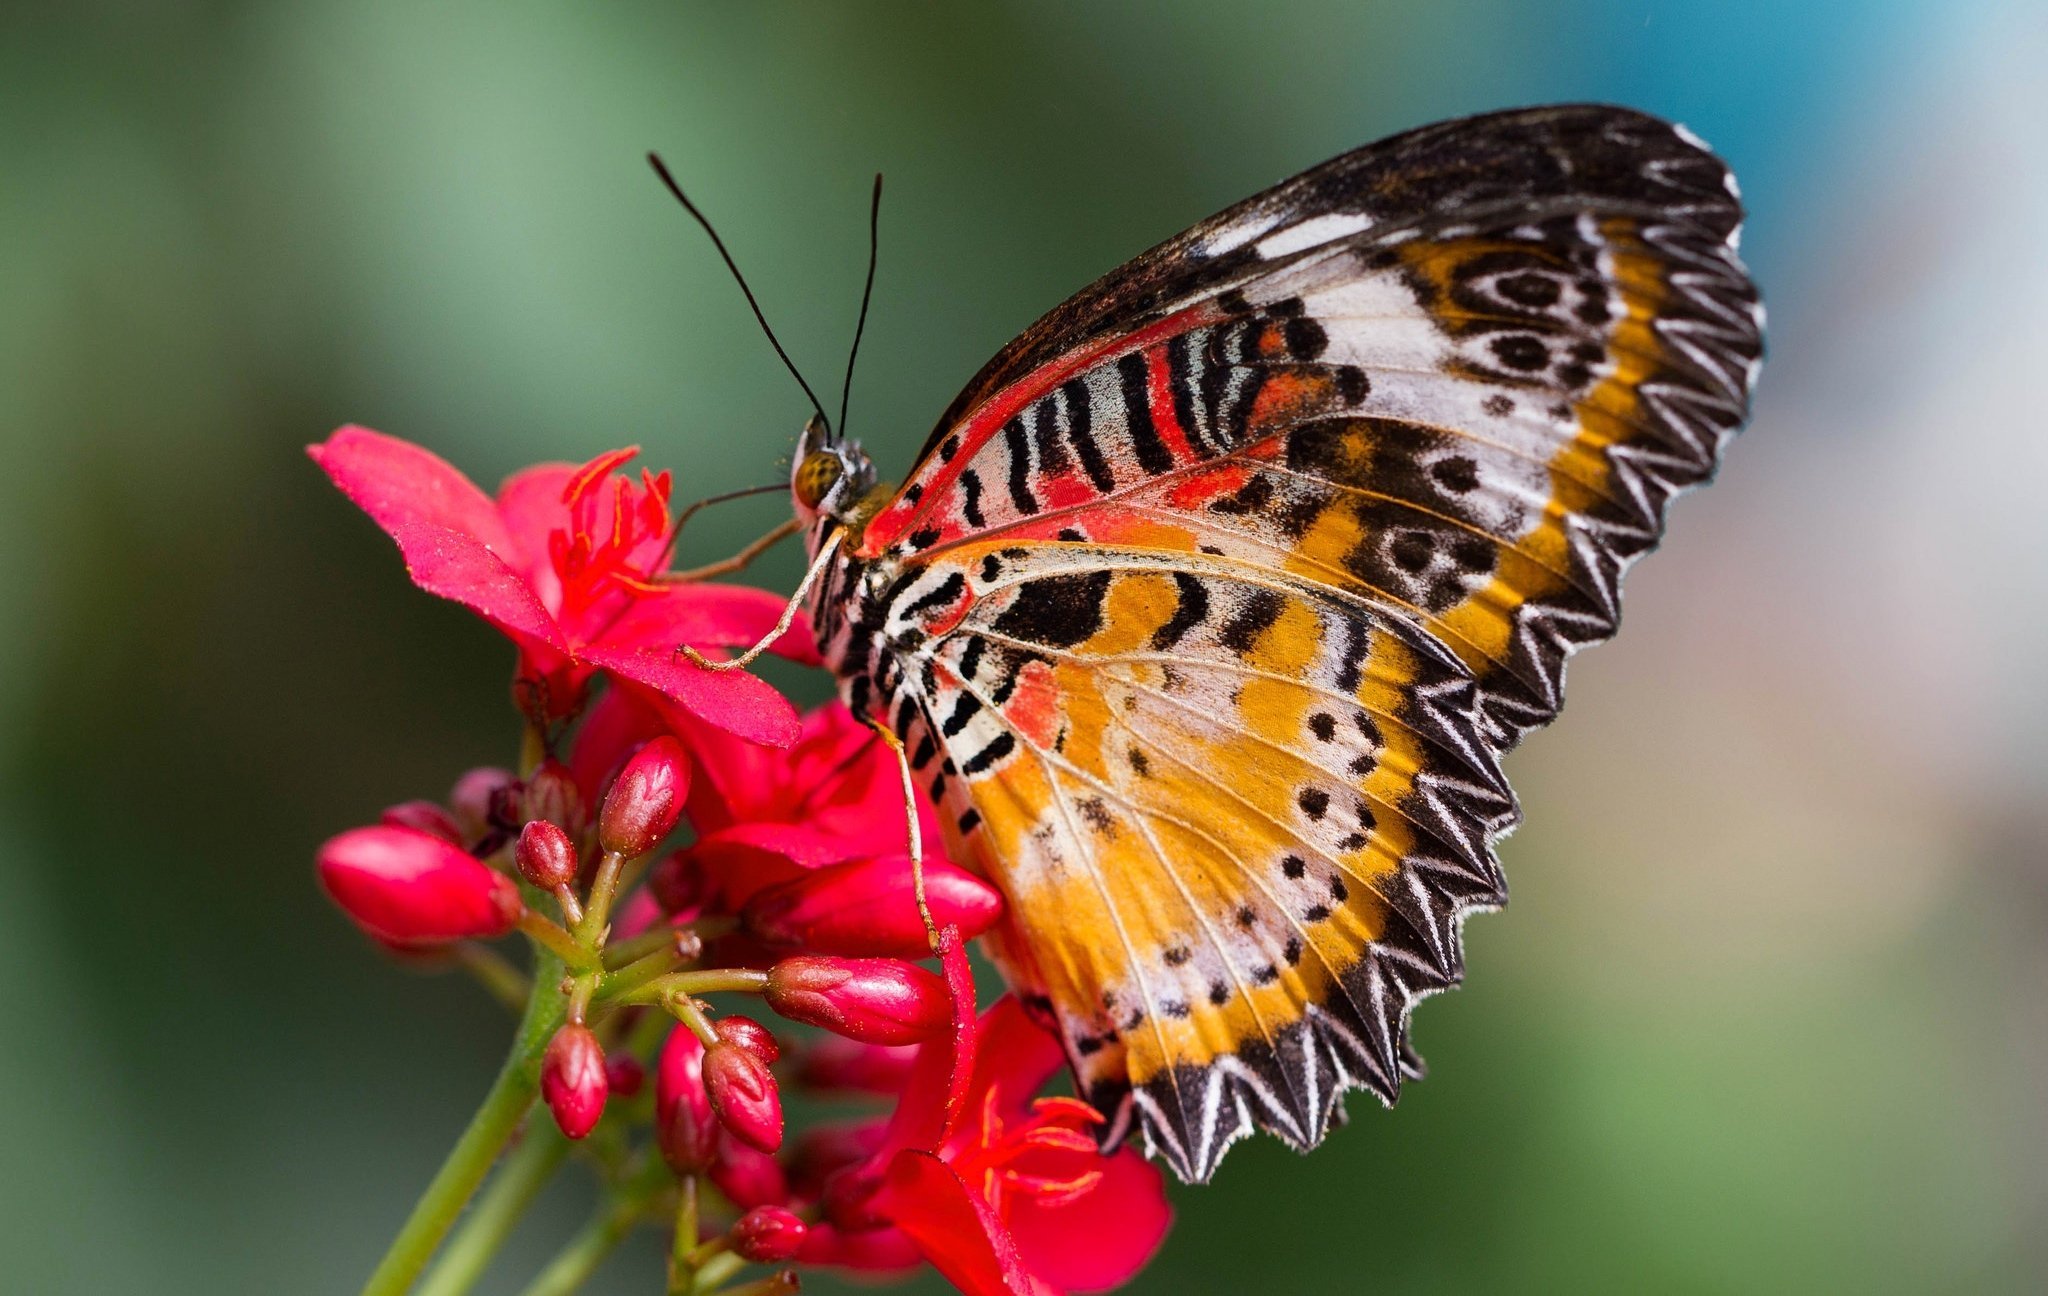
{"points": [[1294, 1087]]}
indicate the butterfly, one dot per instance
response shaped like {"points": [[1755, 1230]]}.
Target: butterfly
{"points": [[1210, 607]]}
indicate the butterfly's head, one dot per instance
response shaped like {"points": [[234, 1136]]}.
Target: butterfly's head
{"points": [[829, 475]]}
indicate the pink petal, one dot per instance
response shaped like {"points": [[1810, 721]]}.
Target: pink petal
{"points": [[937, 1088], [957, 1231], [530, 507], [873, 1251], [1102, 1239], [713, 616], [803, 846], [397, 482], [455, 566], [739, 781], [447, 531], [734, 871], [732, 700], [1014, 1055], [614, 727]]}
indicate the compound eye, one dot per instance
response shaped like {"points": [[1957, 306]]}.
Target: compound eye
{"points": [[815, 476]]}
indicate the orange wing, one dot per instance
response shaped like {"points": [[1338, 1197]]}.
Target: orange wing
{"points": [[1210, 625]]}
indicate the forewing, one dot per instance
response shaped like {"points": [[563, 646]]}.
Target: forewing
{"points": [[1223, 588]]}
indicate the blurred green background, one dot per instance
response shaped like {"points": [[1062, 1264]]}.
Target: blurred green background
{"points": [[1767, 1013]]}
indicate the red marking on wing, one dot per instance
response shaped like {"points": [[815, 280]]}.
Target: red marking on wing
{"points": [[1159, 393], [1197, 490], [896, 520], [1034, 708]]}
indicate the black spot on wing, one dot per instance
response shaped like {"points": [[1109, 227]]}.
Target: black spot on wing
{"points": [[998, 747], [970, 498], [1057, 611], [1258, 610], [1015, 442], [944, 594], [1189, 610], [1153, 456], [1081, 435]]}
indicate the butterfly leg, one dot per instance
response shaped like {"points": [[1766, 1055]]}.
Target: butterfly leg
{"points": [[788, 618], [739, 561], [916, 834]]}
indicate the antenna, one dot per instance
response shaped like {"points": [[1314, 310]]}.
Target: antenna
{"points": [[661, 169], [874, 232]]}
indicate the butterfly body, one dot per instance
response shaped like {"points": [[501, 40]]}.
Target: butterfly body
{"points": [[1213, 603]]}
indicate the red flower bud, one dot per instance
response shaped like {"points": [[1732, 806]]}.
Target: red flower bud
{"points": [[685, 1127], [876, 1001], [849, 1196], [678, 883], [646, 799], [749, 1035], [824, 1150], [474, 795], [551, 795], [744, 1095], [869, 908], [624, 1075], [545, 855], [748, 1177], [425, 816], [573, 1082], [835, 1064], [408, 887], [767, 1234]]}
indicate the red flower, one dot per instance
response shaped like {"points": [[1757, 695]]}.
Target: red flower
{"points": [[1014, 1199], [834, 795], [567, 562], [767, 817]]}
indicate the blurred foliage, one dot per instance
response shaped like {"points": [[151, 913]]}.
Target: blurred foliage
{"points": [[1765, 1013]]}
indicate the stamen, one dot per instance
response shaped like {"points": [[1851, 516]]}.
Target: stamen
{"points": [[789, 611]]}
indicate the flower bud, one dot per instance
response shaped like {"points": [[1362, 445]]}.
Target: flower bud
{"points": [[474, 795], [824, 1150], [747, 1176], [744, 1095], [408, 887], [749, 1035], [838, 1065], [875, 1001], [624, 1075], [545, 855], [848, 1199], [573, 1081], [551, 795], [868, 908], [646, 799], [425, 816], [767, 1234], [685, 1127]]}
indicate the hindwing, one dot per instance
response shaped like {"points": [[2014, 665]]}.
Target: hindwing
{"points": [[1214, 601]]}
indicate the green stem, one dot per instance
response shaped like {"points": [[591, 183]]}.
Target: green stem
{"points": [[500, 1207], [506, 984], [682, 1267], [597, 911], [580, 1257], [549, 937], [712, 981], [711, 1275], [640, 972], [493, 1125]]}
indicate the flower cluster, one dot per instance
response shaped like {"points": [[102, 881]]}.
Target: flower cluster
{"points": [[797, 885]]}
